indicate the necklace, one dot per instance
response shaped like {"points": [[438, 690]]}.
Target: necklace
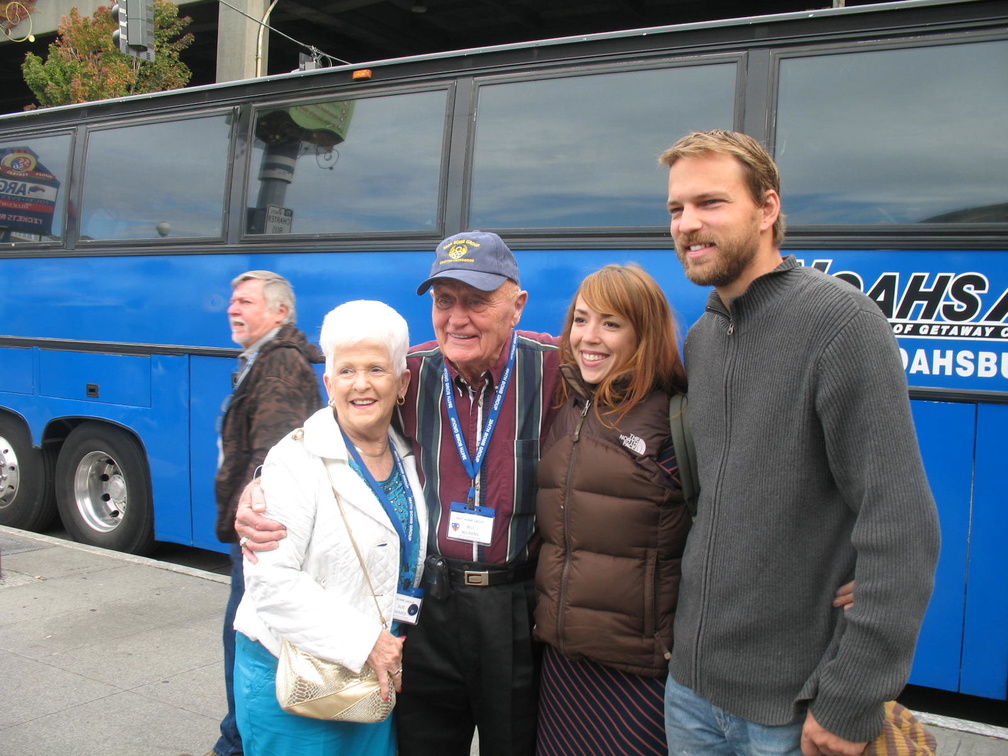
{"points": [[373, 456]]}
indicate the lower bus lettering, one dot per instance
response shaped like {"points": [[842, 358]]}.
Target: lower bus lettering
{"points": [[963, 363], [946, 329]]}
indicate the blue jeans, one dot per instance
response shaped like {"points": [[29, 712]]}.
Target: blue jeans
{"points": [[229, 743], [696, 727]]}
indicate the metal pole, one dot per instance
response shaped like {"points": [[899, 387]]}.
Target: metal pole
{"points": [[259, 39]]}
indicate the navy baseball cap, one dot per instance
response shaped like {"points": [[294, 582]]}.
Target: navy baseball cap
{"points": [[478, 258]]}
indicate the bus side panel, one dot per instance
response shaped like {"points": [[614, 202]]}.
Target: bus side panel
{"points": [[103, 378], [163, 428], [147, 397], [17, 371], [19, 380], [985, 654], [212, 376], [946, 432]]}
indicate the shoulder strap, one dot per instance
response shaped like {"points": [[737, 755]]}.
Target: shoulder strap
{"points": [[298, 435], [360, 557], [682, 440]]}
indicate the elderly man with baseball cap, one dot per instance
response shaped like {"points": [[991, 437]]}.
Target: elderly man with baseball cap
{"points": [[477, 408], [479, 402]]}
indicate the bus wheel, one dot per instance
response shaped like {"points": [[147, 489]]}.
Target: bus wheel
{"points": [[26, 489], [103, 489]]}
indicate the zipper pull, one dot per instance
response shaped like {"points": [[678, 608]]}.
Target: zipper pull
{"points": [[584, 414], [731, 327]]}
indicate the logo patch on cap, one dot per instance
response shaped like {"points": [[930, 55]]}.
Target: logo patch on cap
{"points": [[459, 249]]}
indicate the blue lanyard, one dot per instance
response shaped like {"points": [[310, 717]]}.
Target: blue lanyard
{"points": [[472, 465], [407, 535]]}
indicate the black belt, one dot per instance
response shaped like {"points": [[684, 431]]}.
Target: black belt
{"points": [[479, 575]]}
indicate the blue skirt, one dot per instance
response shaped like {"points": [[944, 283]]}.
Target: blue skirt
{"points": [[268, 730]]}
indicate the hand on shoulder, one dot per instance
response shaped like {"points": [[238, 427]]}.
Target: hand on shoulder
{"points": [[256, 532]]}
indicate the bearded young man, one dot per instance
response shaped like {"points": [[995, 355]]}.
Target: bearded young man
{"points": [[810, 476]]}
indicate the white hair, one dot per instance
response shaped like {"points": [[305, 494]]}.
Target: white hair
{"points": [[276, 290], [365, 320]]}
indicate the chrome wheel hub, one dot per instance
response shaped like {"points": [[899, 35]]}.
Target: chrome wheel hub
{"points": [[100, 491]]}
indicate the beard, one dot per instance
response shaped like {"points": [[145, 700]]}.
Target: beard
{"points": [[722, 268]]}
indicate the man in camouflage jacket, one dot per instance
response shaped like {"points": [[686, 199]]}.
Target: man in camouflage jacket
{"points": [[275, 390]]}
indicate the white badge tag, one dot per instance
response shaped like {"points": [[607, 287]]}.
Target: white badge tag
{"points": [[471, 524], [407, 608]]}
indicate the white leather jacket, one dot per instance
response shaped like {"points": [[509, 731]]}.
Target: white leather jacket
{"points": [[311, 590]]}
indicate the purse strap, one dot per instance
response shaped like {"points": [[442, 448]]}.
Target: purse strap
{"points": [[360, 557]]}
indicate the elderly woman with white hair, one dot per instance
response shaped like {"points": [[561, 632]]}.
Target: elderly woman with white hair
{"points": [[312, 590]]}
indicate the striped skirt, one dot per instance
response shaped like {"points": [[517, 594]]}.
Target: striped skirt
{"points": [[589, 709]]}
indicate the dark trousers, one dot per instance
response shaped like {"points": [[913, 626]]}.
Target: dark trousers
{"points": [[229, 743], [471, 662]]}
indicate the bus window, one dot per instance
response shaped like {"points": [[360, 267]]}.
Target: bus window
{"points": [[33, 187], [582, 151], [156, 180], [911, 135], [348, 166]]}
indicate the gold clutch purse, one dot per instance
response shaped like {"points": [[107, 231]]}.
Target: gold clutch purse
{"points": [[321, 689]]}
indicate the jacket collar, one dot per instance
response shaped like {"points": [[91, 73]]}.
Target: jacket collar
{"points": [[763, 289], [323, 438], [247, 354], [578, 387]]}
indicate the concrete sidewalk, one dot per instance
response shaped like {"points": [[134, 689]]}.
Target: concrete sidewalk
{"points": [[106, 654]]}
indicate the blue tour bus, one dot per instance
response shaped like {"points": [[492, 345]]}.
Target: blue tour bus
{"points": [[122, 223]]}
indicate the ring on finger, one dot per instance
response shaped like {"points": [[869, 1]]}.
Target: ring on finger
{"points": [[242, 541]]}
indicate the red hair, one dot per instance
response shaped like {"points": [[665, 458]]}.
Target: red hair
{"points": [[629, 292]]}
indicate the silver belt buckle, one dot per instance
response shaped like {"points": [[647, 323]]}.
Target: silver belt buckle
{"points": [[472, 577]]}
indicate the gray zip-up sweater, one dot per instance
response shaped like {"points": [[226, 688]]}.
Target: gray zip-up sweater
{"points": [[810, 476]]}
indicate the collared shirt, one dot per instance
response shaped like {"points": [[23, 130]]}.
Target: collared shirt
{"points": [[237, 377], [507, 479], [248, 354]]}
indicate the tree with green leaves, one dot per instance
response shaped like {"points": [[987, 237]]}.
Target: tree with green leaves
{"points": [[84, 64]]}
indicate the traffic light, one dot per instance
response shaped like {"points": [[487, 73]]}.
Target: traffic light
{"points": [[135, 35]]}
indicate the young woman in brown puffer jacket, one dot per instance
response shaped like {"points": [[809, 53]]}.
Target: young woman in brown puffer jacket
{"points": [[613, 522]]}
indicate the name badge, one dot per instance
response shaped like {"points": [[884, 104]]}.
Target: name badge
{"points": [[407, 605], [470, 524]]}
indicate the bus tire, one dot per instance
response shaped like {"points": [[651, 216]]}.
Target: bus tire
{"points": [[103, 489], [26, 481]]}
